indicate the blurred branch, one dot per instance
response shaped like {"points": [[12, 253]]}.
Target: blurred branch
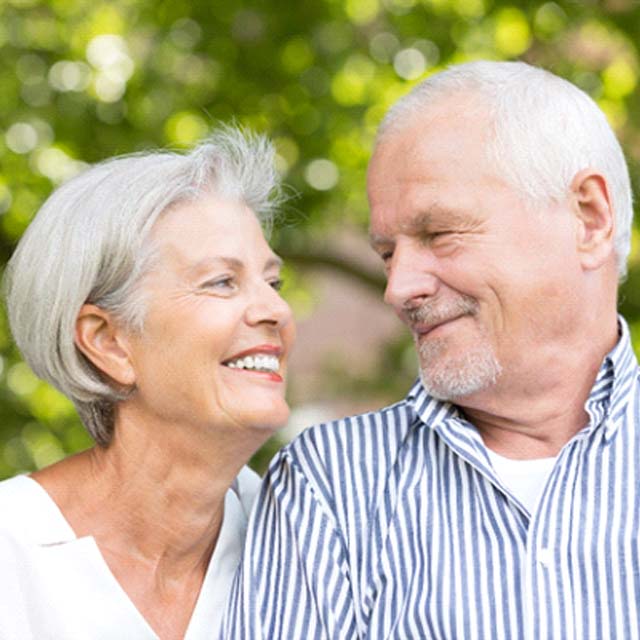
{"points": [[313, 259]]}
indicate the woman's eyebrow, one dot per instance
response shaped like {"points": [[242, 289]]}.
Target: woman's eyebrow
{"points": [[274, 261], [210, 262], [231, 262]]}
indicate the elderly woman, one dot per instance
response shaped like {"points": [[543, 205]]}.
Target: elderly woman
{"points": [[145, 291]]}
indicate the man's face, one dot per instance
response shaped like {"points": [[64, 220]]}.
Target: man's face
{"points": [[486, 284]]}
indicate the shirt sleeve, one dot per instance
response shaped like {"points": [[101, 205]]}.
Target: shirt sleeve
{"points": [[293, 581]]}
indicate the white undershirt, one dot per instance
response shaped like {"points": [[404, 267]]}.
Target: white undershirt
{"points": [[524, 478]]}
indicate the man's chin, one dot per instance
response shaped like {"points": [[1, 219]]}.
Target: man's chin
{"points": [[460, 377]]}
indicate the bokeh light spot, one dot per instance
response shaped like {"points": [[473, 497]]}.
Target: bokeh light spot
{"points": [[109, 55], [469, 8], [21, 380], [67, 75], [185, 33], [185, 128], [512, 33], [362, 11], [410, 63], [56, 165], [322, 174], [21, 137], [5, 202], [549, 19], [383, 46], [350, 85], [619, 79], [297, 55]]}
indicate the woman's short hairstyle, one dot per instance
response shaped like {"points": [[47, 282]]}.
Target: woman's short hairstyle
{"points": [[89, 242], [543, 130]]}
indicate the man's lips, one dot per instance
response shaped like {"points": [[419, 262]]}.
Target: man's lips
{"points": [[422, 329]]}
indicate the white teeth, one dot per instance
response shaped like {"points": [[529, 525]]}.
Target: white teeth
{"points": [[257, 363]]}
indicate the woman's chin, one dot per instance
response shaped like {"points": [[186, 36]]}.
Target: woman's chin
{"points": [[266, 419], [275, 420]]}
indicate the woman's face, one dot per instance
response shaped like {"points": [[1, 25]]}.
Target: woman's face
{"points": [[217, 334]]}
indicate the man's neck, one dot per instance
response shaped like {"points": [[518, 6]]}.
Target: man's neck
{"points": [[536, 414]]}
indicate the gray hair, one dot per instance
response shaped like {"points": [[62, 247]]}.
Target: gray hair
{"points": [[544, 130], [89, 242]]}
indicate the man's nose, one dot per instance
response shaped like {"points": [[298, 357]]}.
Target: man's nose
{"points": [[410, 277]]}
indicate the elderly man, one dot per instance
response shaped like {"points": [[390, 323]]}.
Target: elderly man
{"points": [[501, 498]]}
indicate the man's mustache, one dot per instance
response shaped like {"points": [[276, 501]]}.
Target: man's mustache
{"points": [[436, 311]]}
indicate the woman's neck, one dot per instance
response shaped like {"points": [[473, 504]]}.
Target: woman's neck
{"points": [[157, 493], [153, 500]]}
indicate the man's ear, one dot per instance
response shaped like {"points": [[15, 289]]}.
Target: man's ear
{"points": [[595, 218], [103, 344]]}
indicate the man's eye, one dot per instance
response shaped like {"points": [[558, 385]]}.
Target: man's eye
{"points": [[442, 236], [386, 256]]}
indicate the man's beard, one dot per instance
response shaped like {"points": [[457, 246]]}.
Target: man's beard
{"points": [[448, 377]]}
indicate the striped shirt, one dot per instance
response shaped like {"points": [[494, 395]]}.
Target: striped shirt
{"points": [[394, 524]]}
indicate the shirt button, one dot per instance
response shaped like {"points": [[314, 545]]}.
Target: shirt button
{"points": [[544, 557]]}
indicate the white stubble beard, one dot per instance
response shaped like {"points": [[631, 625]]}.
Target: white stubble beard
{"points": [[449, 377]]}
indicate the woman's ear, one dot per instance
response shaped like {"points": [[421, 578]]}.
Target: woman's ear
{"points": [[595, 218], [102, 342]]}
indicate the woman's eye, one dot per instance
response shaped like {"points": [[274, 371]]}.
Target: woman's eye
{"points": [[220, 283], [276, 283]]}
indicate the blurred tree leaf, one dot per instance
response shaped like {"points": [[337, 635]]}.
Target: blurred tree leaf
{"points": [[82, 80]]}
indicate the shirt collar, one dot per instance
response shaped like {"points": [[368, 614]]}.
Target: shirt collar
{"points": [[612, 389], [447, 420], [430, 411]]}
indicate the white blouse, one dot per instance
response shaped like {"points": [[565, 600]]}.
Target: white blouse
{"points": [[55, 586]]}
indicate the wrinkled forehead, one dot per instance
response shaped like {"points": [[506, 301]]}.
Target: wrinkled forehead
{"points": [[434, 150], [469, 107], [444, 132]]}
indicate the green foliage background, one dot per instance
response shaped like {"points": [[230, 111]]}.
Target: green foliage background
{"points": [[81, 80]]}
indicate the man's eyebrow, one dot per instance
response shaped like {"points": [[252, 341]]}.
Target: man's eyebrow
{"points": [[435, 215], [418, 223]]}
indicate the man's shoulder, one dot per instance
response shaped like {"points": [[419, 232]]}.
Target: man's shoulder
{"points": [[380, 428], [355, 453]]}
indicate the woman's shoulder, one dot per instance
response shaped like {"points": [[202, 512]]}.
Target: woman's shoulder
{"points": [[28, 514], [18, 495]]}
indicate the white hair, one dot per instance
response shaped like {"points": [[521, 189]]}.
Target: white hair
{"points": [[543, 130], [90, 243]]}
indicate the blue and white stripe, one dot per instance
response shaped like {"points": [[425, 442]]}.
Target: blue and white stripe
{"points": [[394, 525]]}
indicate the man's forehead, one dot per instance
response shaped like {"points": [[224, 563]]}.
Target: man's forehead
{"points": [[461, 111]]}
